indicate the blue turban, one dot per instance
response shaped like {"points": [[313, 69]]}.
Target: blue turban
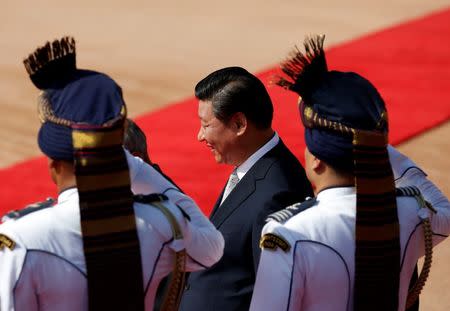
{"points": [[70, 95], [348, 99], [346, 126], [82, 114], [91, 98]]}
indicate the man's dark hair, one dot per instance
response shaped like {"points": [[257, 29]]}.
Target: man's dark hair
{"points": [[234, 89], [134, 141]]}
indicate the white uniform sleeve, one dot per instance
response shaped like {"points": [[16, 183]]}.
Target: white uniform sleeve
{"points": [[203, 242], [407, 173], [144, 178], [11, 264], [276, 278]]}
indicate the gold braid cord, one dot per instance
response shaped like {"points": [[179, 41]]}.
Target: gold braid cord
{"points": [[46, 114], [172, 297], [414, 293], [313, 120]]}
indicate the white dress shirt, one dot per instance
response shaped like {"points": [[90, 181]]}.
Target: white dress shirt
{"points": [[242, 169], [248, 164]]}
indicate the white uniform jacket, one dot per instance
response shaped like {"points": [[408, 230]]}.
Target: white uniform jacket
{"points": [[45, 269], [317, 272]]}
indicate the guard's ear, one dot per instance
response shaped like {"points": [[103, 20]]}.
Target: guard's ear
{"points": [[52, 164], [313, 162], [239, 121], [317, 164]]}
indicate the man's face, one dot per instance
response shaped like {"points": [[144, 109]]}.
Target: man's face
{"points": [[221, 138]]}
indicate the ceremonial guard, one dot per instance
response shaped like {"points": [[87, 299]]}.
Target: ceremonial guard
{"points": [[355, 245], [99, 247]]}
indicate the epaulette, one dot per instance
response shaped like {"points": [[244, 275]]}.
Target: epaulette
{"points": [[290, 211], [413, 191], [31, 208], [150, 198], [410, 191]]}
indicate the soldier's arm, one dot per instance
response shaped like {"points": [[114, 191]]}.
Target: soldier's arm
{"points": [[14, 295], [407, 173], [203, 242], [276, 278], [145, 179]]}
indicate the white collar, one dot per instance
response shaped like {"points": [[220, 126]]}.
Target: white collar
{"points": [[242, 169], [331, 193], [66, 194]]}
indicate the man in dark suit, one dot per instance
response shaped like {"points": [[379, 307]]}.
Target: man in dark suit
{"points": [[235, 113]]}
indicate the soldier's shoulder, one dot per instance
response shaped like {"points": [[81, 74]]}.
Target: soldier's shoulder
{"points": [[164, 214], [409, 191], [29, 209], [161, 202], [276, 235], [287, 213], [414, 192]]}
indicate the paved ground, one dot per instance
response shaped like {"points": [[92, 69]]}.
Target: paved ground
{"points": [[158, 51]]}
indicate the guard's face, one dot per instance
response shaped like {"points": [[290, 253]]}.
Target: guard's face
{"points": [[221, 138]]}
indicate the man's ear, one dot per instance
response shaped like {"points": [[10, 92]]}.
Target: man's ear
{"points": [[59, 165], [317, 165], [239, 123], [51, 163]]}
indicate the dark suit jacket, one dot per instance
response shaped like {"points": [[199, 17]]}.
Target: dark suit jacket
{"points": [[274, 182]]}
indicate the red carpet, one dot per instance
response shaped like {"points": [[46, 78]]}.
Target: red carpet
{"points": [[408, 63]]}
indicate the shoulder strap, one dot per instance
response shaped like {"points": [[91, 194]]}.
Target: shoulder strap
{"points": [[285, 214], [415, 291], [413, 191], [176, 230], [150, 198], [172, 296]]}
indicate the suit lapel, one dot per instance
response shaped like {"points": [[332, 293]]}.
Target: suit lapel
{"points": [[245, 187], [216, 206], [242, 191]]}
